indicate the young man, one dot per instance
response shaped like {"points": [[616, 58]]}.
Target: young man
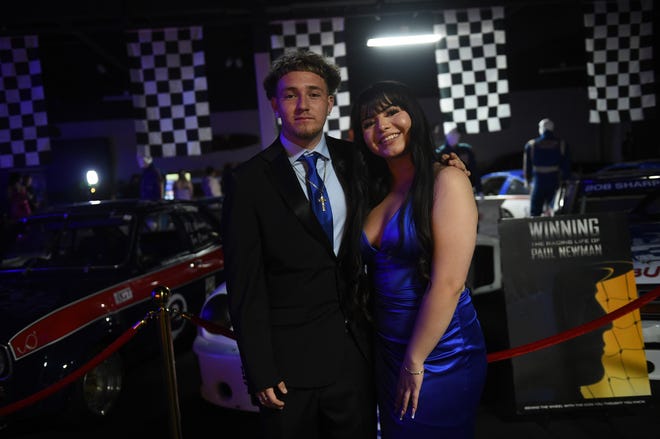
{"points": [[306, 351]]}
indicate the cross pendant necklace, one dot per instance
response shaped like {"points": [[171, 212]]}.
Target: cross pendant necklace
{"points": [[321, 198]]}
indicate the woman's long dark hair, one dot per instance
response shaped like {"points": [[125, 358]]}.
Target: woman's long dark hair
{"points": [[373, 176]]}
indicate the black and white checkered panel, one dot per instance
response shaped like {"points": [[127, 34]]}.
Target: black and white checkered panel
{"points": [[472, 69], [170, 92], [619, 44], [24, 139], [325, 37]]}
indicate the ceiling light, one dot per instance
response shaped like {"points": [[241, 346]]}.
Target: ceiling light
{"points": [[403, 40]]}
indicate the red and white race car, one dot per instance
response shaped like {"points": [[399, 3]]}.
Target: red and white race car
{"points": [[74, 278]]}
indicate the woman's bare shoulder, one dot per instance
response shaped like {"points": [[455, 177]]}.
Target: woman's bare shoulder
{"points": [[447, 172]]}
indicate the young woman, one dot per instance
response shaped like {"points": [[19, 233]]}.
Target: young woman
{"points": [[418, 235]]}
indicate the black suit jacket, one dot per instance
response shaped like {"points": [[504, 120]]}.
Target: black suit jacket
{"points": [[285, 283]]}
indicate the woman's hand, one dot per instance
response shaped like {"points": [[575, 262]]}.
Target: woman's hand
{"points": [[407, 391]]}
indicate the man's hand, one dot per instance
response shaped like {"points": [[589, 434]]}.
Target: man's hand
{"points": [[268, 397], [452, 159]]}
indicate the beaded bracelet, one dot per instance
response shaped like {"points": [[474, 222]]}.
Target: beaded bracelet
{"points": [[419, 372]]}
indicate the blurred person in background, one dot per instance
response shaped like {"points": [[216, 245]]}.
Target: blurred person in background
{"points": [[183, 188], [546, 164], [30, 191], [19, 202], [211, 182], [152, 181]]}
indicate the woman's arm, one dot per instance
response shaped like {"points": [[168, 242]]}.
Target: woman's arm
{"points": [[454, 229]]}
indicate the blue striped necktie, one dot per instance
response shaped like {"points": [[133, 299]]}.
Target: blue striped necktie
{"points": [[318, 195]]}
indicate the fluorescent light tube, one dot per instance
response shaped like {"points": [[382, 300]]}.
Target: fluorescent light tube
{"points": [[403, 40]]}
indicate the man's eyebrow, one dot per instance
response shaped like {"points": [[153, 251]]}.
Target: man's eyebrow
{"points": [[305, 88], [314, 88]]}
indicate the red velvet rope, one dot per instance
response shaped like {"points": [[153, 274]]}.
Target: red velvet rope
{"points": [[210, 326], [98, 359], [578, 330], [221, 330], [509, 353]]}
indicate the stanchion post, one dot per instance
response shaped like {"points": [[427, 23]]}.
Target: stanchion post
{"points": [[161, 295]]}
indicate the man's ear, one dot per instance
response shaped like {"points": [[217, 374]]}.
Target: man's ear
{"points": [[331, 103]]}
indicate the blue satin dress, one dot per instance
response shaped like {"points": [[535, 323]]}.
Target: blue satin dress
{"points": [[455, 371]]}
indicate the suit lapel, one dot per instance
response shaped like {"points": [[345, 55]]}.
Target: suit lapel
{"points": [[341, 164]]}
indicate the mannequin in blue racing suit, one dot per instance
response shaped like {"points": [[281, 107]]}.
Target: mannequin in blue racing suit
{"points": [[546, 164]]}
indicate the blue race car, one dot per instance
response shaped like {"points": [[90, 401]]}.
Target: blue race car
{"points": [[507, 189]]}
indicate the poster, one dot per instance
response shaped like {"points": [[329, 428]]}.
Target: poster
{"points": [[561, 272]]}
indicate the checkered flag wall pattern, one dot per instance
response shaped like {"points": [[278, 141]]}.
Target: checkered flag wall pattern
{"points": [[472, 67], [24, 137], [326, 37], [170, 92], [620, 60]]}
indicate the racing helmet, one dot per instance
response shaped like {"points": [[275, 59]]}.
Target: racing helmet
{"points": [[546, 125]]}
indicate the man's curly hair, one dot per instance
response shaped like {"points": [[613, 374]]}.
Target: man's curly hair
{"points": [[302, 60]]}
